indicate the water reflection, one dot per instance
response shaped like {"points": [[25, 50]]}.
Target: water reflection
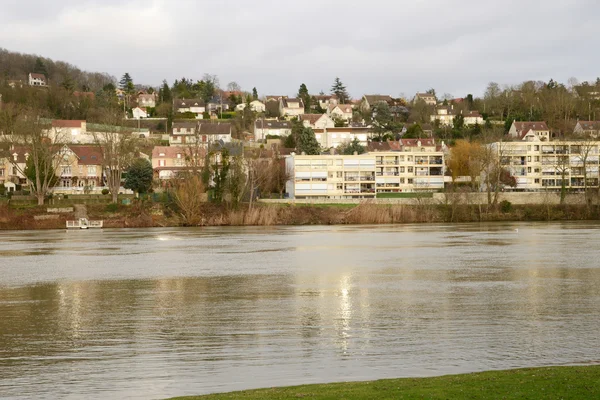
{"points": [[159, 313]]}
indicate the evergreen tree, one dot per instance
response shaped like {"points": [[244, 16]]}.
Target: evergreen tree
{"points": [[164, 93], [303, 94], [139, 176], [125, 81], [68, 84], [307, 142], [254, 94], [384, 125], [339, 90], [40, 67]]}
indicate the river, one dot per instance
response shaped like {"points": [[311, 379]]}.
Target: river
{"points": [[154, 313]]}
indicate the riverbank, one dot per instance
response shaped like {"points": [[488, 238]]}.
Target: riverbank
{"points": [[140, 215], [531, 383]]}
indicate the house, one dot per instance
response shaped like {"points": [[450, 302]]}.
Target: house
{"points": [[183, 132], [12, 167], [333, 137], [218, 104], [445, 116], [587, 128], [341, 111], [369, 101], [428, 98], [529, 131], [324, 101], [255, 105], [291, 108], [168, 161], [406, 166], [271, 127], [139, 112], [146, 100], [318, 121], [80, 169], [194, 106], [70, 131], [37, 80], [201, 133], [541, 166]]}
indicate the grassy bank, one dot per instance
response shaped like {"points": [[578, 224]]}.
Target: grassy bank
{"points": [[148, 214], [532, 383]]}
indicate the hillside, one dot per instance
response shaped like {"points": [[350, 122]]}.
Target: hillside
{"points": [[17, 66]]}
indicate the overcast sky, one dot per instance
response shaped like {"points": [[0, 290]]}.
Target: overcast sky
{"points": [[376, 46]]}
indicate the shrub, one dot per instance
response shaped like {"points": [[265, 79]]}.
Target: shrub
{"points": [[505, 206], [112, 207], [105, 191]]}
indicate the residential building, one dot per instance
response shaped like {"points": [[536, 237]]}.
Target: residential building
{"points": [[341, 111], [369, 101], [167, 161], [333, 137], [139, 113], [12, 167], [542, 165], [410, 165], [329, 176], [218, 104], [529, 131], [194, 106], [291, 108], [587, 128], [446, 114], [79, 170], [324, 101], [37, 79], [405, 166], [70, 131], [271, 127], [428, 98], [318, 121], [255, 105], [146, 100], [204, 133]]}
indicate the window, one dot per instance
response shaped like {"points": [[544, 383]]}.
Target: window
{"points": [[339, 186], [536, 148], [91, 170], [402, 169], [15, 172], [162, 163], [161, 154], [410, 181], [410, 170], [537, 158], [528, 158], [529, 169], [1, 171], [178, 155], [536, 181]]}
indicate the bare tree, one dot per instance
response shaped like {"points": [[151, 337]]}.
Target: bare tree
{"points": [[186, 193], [118, 150], [22, 131], [586, 155]]}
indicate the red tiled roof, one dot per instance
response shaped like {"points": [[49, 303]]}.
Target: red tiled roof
{"points": [[524, 127], [88, 155], [311, 118], [38, 76], [67, 123], [168, 151]]}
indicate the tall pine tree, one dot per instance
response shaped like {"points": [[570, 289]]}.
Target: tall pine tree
{"points": [[339, 90], [303, 94], [125, 81]]}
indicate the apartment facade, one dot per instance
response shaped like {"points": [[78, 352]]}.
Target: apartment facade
{"points": [[409, 168], [542, 166]]}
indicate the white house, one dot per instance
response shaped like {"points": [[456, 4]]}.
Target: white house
{"points": [[195, 106], [255, 105], [37, 80], [70, 131], [271, 127], [291, 108], [318, 121], [529, 131], [445, 115], [587, 128], [340, 111], [139, 113]]}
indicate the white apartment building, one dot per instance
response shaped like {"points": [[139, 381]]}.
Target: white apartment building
{"points": [[541, 165], [417, 166]]}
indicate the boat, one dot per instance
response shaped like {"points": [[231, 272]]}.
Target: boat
{"points": [[84, 223]]}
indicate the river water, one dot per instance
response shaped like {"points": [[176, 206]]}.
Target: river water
{"points": [[154, 313]]}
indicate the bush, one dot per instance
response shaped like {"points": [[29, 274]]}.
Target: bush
{"points": [[505, 206], [105, 191], [112, 207]]}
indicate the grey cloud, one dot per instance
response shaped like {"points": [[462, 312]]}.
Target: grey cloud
{"points": [[377, 46]]}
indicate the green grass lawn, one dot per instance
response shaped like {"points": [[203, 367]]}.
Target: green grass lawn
{"points": [[532, 383]]}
